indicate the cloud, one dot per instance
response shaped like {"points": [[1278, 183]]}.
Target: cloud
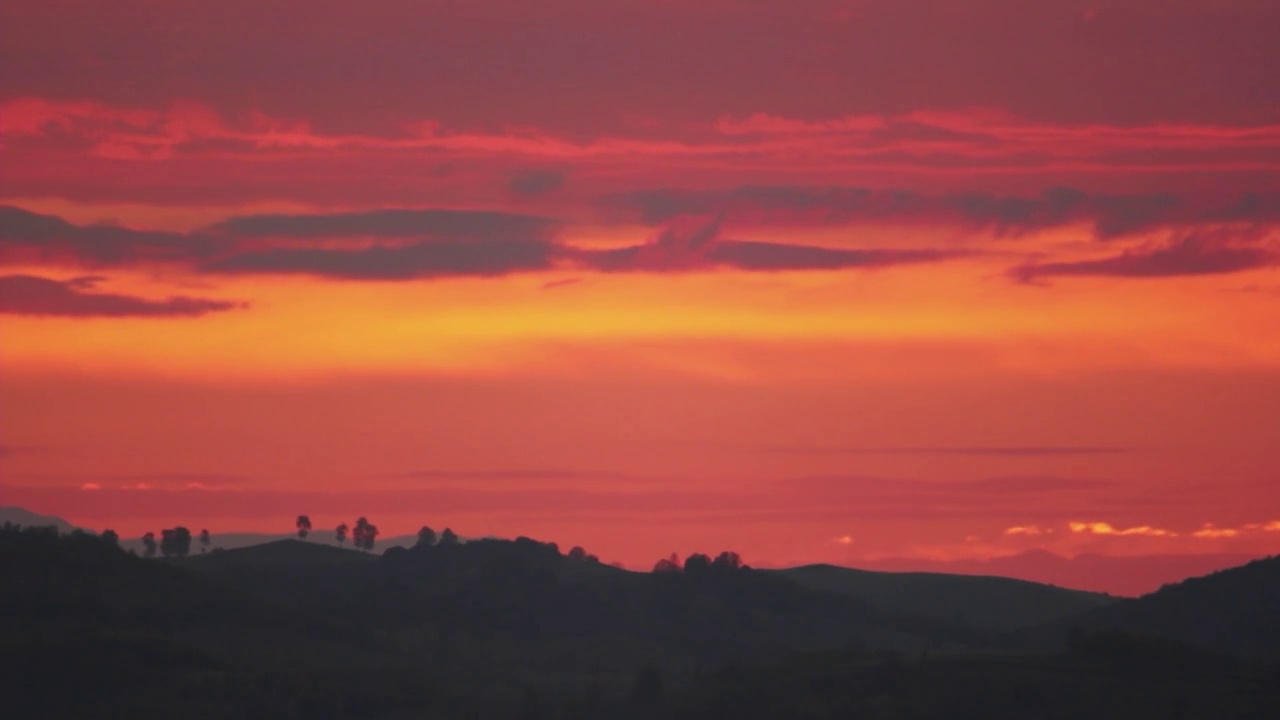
{"points": [[563, 282], [415, 261], [535, 183], [1102, 528], [689, 244], [415, 243], [843, 540], [1210, 531], [31, 295], [1195, 254], [31, 237], [1024, 530], [1111, 216], [400, 244], [389, 223]]}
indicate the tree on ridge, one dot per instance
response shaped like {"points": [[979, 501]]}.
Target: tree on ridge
{"points": [[175, 542], [365, 534], [303, 524]]}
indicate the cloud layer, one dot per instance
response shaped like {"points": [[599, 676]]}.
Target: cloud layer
{"points": [[38, 296]]}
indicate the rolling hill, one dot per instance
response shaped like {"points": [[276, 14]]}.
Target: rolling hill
{"points": [[993, 603], [25, 518], [1234, 611], [494, 628]]}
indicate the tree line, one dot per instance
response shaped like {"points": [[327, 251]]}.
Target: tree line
{"points": [[176, 543]]}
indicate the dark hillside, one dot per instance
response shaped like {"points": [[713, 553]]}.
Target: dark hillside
{"points": [[1234, 611], [994, 603]]}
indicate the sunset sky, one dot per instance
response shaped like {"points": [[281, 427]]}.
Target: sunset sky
{"points": [[884, 283]]}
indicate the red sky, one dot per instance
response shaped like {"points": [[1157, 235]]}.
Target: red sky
{"points": [[918, 283]]}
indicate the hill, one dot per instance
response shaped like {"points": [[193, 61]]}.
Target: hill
{"points": [[25, 518], [548, 607], [479, 622], [1234, 611], [994, 603], [1127, 576], [239, 540], [508, 629]]}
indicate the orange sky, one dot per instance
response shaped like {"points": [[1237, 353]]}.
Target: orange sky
{"points": [[551, 276]]}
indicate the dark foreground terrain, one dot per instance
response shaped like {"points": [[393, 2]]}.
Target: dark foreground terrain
{"points": [[498, 629]]}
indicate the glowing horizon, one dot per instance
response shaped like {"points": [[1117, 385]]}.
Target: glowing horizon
{"points": [[633, 284]]}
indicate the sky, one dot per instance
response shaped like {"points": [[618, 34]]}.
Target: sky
{"points": [[897, 284]]}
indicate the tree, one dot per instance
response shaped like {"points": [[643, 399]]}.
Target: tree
{"points": [[205, 539], [303, 523], [667, 564], [426, 537], [340, 534], [448, 537], [697, 563], [111, 537], [149, 542], [365, 534], [727, 561], [175, 542], [578, 553]]}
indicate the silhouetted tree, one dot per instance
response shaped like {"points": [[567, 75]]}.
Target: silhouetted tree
{"points": [[697, 563], [668, 564], [365, 534], [727, 560], [149, 543], [578, 553], [111, 537], [426, 537], [340, 534], [303, 523], [448, 537], [175, 542], [205, 539]]}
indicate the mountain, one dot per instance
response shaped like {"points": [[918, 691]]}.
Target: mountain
{"points": [[26, 518], [994, 603], [1234, 611]]}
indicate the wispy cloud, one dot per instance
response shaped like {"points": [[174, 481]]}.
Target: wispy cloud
{"points": [[38, 296], [1197, 254]]}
